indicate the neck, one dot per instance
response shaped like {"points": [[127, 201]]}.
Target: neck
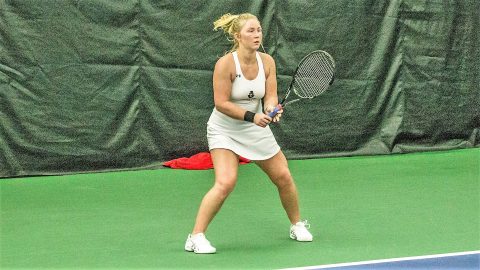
{"points": [[247, 56]]}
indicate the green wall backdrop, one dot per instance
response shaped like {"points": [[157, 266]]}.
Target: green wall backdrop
{"points": [[90, 85]]}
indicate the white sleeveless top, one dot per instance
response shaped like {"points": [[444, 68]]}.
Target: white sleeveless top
{"points": [[244, 138]]}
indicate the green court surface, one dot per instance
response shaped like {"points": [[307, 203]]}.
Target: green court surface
{"points": [[360, 208]]}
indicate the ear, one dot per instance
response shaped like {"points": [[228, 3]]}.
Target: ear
{"points": [[236, 36]]}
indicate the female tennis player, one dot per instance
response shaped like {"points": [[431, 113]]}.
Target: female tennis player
{"points": [[239, 127]]}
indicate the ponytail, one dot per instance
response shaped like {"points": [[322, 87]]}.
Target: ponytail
{"points": [[232, 24]]}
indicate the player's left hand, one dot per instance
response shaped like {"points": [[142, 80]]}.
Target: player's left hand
{"points": [[276, 118]]}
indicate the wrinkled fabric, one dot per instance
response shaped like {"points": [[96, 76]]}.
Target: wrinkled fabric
{"points": [[115, 85], [200, 161]]}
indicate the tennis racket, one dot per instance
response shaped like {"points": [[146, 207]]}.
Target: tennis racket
{"points": [[313, 76]]}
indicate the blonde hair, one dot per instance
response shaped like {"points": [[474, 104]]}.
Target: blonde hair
{"points": [[232, 24]]}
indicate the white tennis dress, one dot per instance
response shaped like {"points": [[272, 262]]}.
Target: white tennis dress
{"points": [[244, 138]]}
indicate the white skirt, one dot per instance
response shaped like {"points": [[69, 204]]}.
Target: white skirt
{"points": [[244, 138]]}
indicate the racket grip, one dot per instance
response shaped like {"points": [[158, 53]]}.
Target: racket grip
{"points": [[275, 111]]}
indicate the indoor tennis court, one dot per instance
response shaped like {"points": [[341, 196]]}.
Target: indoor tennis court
{"points": [[96, 95], [360, 208]]}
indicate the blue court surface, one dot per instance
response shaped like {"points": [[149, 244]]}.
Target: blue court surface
{"points": [[458, 261]]}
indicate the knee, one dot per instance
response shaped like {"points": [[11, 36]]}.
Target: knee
{"points": [[225, 186], [283, 179]]}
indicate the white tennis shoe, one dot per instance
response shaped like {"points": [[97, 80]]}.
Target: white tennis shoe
{"points": [[199, 244], [299, 231]]}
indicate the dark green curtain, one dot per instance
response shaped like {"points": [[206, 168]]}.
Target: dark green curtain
{"points": [[100, 85]]}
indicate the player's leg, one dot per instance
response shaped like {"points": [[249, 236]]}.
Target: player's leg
{"points": [[277, 170], [225, 164]]}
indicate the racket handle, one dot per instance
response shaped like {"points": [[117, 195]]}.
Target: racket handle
{"points": [[275, 111]]}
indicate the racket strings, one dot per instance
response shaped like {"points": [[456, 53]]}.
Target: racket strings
{"points": [[313, 75]]}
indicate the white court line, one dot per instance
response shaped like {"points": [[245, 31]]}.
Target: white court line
{"points": [[384, 260]]}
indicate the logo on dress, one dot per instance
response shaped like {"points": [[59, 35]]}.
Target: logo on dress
{"points": [[251, 94]]}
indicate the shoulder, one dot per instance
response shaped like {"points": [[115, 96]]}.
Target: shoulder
{"points": [[268, 64], [225, 61], [225, 66], [267, 60]]}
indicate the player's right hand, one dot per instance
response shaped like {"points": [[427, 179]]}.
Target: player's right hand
{"points": [[262, 120]]}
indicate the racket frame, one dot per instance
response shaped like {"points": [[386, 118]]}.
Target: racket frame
{"points": [[282, 103]]}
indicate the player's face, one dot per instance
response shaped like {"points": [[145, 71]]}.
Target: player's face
{"points": [[251, 34]]}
